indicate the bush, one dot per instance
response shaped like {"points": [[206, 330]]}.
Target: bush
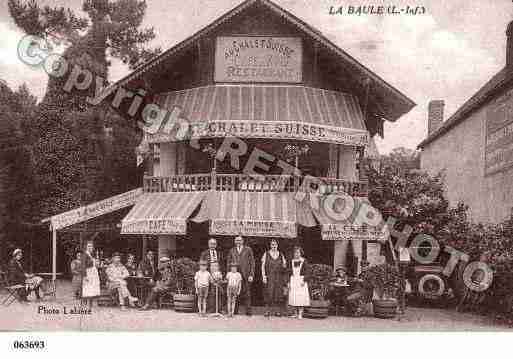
{"points": [[319, 281], [385, 279], [183, 271]]}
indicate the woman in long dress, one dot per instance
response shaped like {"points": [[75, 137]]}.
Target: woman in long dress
{"points": [[273, 266], [90, 277], [299, 297]]}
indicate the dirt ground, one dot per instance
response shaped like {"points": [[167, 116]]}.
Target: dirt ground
{"points": [[32, 317]]}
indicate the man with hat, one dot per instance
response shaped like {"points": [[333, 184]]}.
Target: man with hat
{"points": [[17, 276], [163, 284], [116, 280]]}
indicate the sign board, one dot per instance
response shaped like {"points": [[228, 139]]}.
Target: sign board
{"points": [[499, 134], [348, 232], [253, 228], [96, 209], [154, 226], [258, 59], [270, 130]]}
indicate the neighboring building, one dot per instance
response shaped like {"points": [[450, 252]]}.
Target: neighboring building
{"points": [[475, 146]]}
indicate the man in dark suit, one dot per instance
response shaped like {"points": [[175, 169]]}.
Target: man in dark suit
{"points": [[243, 256], [212, 254]]}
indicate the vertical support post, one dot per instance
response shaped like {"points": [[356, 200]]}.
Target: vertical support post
{"points": [[54, 254], [315, 70], [144, 245]]}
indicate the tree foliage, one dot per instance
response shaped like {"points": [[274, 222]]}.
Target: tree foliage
{"points": [[74, 143], [417, 199], [16, 186]]}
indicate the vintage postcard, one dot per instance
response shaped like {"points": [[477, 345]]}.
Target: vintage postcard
{"points": [[257, 165]]}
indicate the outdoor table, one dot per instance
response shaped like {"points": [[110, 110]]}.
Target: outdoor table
{"points": [[49, 283], [141, 284], [340, 291]]}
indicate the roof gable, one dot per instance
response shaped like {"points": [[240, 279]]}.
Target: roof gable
{"points": [[395, 103], [489, 90]]}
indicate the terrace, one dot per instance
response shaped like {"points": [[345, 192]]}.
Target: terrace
{"points": [[242, 182]]}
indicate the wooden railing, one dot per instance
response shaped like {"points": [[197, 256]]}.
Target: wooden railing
{"points": [[241, 182]]}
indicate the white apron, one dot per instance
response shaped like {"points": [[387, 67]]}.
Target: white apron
{"points": [[298, 292], [91, 286]]}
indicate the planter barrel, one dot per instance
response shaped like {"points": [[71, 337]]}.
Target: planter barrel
{"points": [[385, 308], [318, 309], [184, 303]]}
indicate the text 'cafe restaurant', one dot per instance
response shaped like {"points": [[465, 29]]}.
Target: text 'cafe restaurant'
{"points": [[272, 84]]}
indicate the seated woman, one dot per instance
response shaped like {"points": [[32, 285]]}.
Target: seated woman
{"points": [[360, 294], [131, 265], [116, 280], [17, 276]]}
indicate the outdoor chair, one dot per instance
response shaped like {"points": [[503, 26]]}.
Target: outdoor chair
{"points": [[13, 294], [3, 280], [166, 300]]}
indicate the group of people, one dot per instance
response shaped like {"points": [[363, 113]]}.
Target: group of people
{"points": [[86, 277], [281, 278], [285, 280]]}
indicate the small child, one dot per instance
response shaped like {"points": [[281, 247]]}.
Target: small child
{"points": [[234, 279], [202, 281], [215, 272]]}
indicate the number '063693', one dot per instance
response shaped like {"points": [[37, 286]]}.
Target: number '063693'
{"points": [[29, 344]]}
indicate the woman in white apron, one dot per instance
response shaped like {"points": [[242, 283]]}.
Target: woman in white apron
{"points": [[299, 297], [91, 279]]}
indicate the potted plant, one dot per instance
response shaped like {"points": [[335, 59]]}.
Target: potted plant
{"points": [[319, 277], [386, 280], [183, 270]]}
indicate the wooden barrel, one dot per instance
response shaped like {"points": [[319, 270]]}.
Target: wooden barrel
{"points": [[318, 309], [184, 303], [385, 308]]}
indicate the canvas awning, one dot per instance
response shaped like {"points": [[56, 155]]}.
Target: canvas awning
{"points": [[266, 111], [336, 229], [257, 214], [162, 213]]}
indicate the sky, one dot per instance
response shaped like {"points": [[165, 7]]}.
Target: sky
{"points": [[448, 53]]}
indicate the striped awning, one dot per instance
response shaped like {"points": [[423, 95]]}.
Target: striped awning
{"points": [[339, 223], [161, 213], [265, 111], [257, 214]]}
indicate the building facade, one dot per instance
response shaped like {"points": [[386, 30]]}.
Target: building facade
{"points": [[262, 79], [474, 147], [264, 118]]}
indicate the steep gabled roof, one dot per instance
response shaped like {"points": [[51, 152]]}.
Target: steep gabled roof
{"points": [[493, 87], [401, 104]]}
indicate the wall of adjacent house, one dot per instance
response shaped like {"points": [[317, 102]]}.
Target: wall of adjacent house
{"points": [[461, 154]]}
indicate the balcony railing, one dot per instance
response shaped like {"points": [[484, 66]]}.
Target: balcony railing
{"points": [[241, 182]]}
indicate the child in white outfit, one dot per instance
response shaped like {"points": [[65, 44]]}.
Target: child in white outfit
{"points": [[202, 281], [233, 288]]}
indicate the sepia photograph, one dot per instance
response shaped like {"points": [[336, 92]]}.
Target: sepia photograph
{"points": [[255, 166]]}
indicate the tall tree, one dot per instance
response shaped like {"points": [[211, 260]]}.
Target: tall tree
{"points": [[15, 164], [70, 136]]}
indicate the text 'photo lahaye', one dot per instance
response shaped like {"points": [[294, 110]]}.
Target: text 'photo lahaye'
{"points": [[237, 174]]}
